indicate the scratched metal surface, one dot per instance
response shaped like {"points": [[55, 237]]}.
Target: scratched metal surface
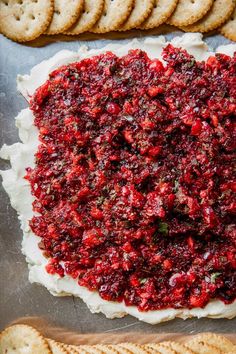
{"points": [[19, 298]]}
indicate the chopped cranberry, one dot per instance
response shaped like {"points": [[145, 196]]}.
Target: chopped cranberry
{"points": [[134, 181], [196, 127], [113, 108]]}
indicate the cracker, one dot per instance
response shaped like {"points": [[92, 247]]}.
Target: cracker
{"points": [[189, 11], [134, 348], [204, 348], [66, 13], [74, 349], [141, 11], [25, 20], [178, 348], [150, 350], [229, 28], [120, 349], [92, 11], [216, 340], [56, 347], [23, 339], [115, 13], [160, 348], [90, 349], [107, 349], [219, 13], [162, 10]]}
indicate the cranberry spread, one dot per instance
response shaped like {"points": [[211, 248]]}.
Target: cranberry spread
{"points": [[134, 177]]}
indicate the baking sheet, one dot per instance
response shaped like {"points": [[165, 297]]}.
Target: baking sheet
{"points": [[19, 298]]}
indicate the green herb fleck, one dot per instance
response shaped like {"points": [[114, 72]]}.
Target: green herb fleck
{"points": [[100, 200], [176, 187], [163, 228], [214, 276], [191, 63], [143, 280]]}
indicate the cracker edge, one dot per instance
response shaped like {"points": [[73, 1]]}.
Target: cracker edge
{"points": [[121, 21], [74, 18], [32, 329], [200, 28], [192, 19], [31, 38], [162, 20], [140, 21], [230, 35], [90, 25]]}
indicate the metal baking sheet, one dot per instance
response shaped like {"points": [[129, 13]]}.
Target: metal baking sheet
{"points": [[19, 298]]}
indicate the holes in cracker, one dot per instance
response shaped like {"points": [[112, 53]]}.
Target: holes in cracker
{"points": [[5, 3], [17, 17], [192, 1], [57, 12], [104, 14], [20, 2], [32, 17]]}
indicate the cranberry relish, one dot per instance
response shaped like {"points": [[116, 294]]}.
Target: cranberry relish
{"points": [[134, 181]]}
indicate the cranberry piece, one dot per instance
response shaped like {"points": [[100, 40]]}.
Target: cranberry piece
{"points": [[113, 108], [196, 127]]}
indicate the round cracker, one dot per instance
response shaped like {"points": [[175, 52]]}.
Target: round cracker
{"points": [[25, 20], [204, 348], [150, 349], [229, 29], [162, 10], [92, 11], [141, 11], [134, 348], [66, 13], [115, 13], [56, 347], [107, 349], [178, 348], [74, 349], [189, 11], [90, 349], [120, 349], [160, 348], [21, 339], [216, 340], [219, 13]]}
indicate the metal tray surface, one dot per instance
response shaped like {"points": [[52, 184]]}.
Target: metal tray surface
{"points": [[19, 298]]}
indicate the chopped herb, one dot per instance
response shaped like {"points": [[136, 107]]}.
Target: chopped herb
{"points": [[100, 200], [214, 276], [176, 186], [191, 63], [127, 224], [163, 228]]}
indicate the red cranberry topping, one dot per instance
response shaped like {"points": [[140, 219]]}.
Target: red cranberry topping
{"points": [[134, 181]]}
